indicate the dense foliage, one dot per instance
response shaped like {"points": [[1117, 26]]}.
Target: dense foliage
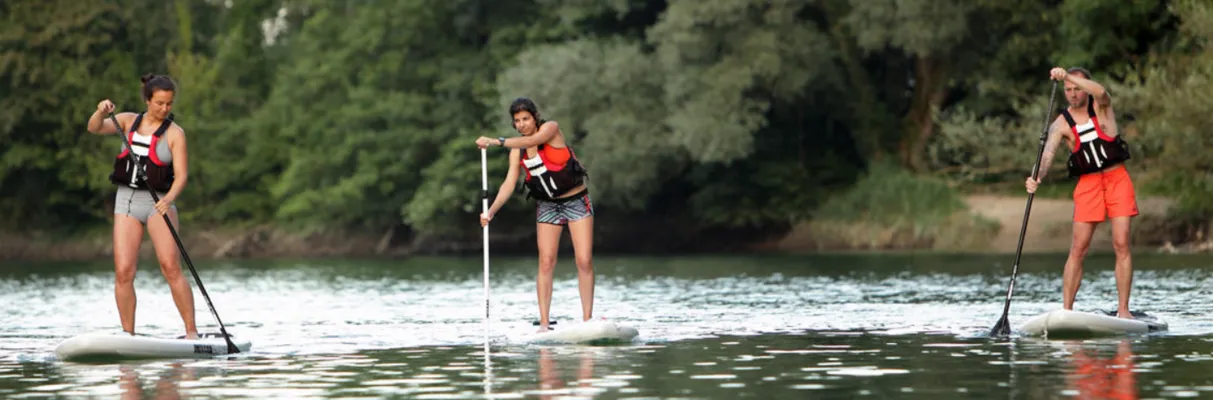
{"points": [[362, 115]]}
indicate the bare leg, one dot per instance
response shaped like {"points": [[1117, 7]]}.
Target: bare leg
{"points": [[582, 232], [170, 266], [1124, 264], [128, 234], [548, 240], [1072, 277]]}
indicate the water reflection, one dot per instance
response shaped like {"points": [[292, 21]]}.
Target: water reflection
{"points": [[552, 376], [1102, 377], [167, 383]]}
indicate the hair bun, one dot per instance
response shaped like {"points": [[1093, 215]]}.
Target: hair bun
{"points": [[147, 77]]}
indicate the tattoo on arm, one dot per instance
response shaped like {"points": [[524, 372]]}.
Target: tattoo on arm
{"points": [[1055, 135]]}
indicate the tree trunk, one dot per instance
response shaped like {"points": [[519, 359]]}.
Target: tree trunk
{"points": [[930, 77], [863, 103]]}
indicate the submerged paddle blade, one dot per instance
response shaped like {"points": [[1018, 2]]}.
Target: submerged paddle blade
{"points": [[1002, 328]]}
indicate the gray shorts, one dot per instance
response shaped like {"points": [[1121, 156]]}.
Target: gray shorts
{"points": [[137, 203], [562, 211]]}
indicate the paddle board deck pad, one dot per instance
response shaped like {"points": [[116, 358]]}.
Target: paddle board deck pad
{"points": [[99, 346], [1068, 323], [588, 332]]}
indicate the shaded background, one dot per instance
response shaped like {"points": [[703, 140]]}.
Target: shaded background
{"points": [[347, 127]]}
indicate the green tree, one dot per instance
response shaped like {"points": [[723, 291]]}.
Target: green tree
{"points": [[225, 76], [1169, 95], [57, 60]]}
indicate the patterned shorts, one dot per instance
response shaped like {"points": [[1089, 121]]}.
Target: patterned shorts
{"points": [[561, 211]]}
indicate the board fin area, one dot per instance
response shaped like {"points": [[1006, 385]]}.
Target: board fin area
{"points": [[593, 332], [1058, 324], [107, 347]]}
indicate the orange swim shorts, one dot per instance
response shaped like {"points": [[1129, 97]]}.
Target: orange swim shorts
{"points": [[1104, 195]]}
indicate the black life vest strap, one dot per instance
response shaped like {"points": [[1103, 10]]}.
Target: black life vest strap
{"points": [[159, 131], [1065, 112], [1069, 118]]}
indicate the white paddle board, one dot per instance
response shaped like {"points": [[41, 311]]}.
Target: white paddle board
{"points": [[588, 332], [123, 345], [1068, 323]]}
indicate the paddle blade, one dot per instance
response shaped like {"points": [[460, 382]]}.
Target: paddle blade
{"points": [[1002, 328]]}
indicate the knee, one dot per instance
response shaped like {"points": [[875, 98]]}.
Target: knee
{"points": [[584, 264], [1121, 247], [547, 263], [1079, 250], [171, 269], [124, 274]]}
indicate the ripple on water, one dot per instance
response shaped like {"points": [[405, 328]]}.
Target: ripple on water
{"points": [[836, 327]]}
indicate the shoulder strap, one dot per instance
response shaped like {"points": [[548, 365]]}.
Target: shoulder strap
{"points": [[130, 133], [135, 125], [1090, 105], [1069, 118], [163, 125]]}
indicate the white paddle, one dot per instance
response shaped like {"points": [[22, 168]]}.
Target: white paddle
{"points": [[484, 207]]}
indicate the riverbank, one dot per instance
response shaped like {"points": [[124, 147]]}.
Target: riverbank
{"points": [[1048, 231]]}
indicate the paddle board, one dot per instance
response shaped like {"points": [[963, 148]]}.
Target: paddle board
{"points": [[588, 332], [1068, 323], [123, 345]]}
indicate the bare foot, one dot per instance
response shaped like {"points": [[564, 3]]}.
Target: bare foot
{"points": [[1124, 314], [543, 328], [191, 335]]}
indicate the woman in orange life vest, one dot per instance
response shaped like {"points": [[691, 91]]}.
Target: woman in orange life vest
{"points": [[556, 179], [160, 146]]}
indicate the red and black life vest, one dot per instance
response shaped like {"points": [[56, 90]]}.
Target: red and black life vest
{"points": [[546, 180], [1093, 149], [159, 175]]}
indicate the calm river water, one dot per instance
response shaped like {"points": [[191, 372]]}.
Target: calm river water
{"points": [[820, 326]]}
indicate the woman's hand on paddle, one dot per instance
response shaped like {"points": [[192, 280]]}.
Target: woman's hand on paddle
{"points": [[1032, 184], [485, 142], [164, 205], [1058, 74], [105, 107], [484, 219]]}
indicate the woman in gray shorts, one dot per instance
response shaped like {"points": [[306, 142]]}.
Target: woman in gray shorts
{"points": [[155, 145], [556, 179]]}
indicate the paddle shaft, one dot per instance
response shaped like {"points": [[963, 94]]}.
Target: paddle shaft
{"points": [[1002, 327], [484, 206], [140, 176]]}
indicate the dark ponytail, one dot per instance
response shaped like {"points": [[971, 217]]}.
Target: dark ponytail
{"points": [[153, 82]]}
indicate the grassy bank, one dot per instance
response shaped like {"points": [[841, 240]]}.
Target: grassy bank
{"points": [[887, 209]]}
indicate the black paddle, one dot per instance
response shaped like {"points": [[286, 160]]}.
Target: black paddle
{"points": [[1003, 327], [140, 176]]}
